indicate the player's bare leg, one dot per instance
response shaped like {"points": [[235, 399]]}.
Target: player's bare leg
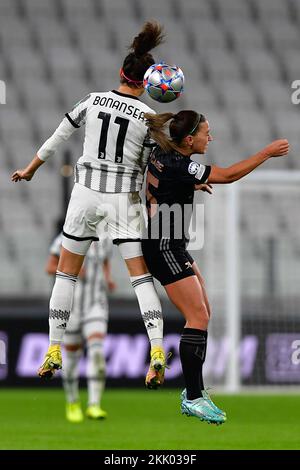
{"points": [[202, 283], [187, 295]]}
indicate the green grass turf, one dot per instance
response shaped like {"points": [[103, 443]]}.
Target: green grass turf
{"points": [[142, 419]]}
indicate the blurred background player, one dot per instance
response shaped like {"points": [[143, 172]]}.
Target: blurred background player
{"points": [[87, 327], [105, 196], [172, 179]]}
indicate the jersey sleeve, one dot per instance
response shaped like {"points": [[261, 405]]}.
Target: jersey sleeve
{"points": [[193, 172], [61, 134], [148, 146], [77, 116]]}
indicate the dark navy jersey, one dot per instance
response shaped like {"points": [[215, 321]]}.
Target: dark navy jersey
{"points": [[171, 178]]}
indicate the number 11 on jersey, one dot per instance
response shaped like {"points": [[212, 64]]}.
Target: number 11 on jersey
{"points": [[123, 126]]}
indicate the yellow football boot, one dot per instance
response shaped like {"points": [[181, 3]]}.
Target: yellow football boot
{"points": [[156, 373], [95, 412], [74, 413], [52, 362]]}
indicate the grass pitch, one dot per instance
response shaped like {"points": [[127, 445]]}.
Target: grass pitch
{"points": [[141, 419]]}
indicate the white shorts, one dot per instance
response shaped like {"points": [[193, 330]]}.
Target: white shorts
{"points": [[83, 324], [92, 214]]}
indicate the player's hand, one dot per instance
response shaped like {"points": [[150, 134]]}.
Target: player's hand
{"points": [[207, 188], [22, 175], [278, 148], [111, 285]]}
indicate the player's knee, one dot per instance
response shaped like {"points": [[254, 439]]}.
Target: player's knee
{"points": [[94, 344], [95, 360], [95, 336], [137, 266], [94, 331], [201, 312], [73, 347]]}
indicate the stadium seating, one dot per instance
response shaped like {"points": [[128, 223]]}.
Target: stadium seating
{"points": [[50, 33], [38, 9], [8, 9], [113, 8], [232, 9], [157, 9], [239, 59], [271, 8], [194, 9], [78, 8], [244, 35]]}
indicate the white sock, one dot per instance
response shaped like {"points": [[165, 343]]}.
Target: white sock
{"points": [[61, 302], [95, 371], [150, 307], [71, 375]]}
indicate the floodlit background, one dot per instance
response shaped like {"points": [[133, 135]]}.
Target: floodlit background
{"points": [[240, 58]]}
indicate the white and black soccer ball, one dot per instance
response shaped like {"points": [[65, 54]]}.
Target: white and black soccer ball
{"points": [[164, 82]]}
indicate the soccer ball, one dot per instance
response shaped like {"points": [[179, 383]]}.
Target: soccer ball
{"points": [[164, 82]]}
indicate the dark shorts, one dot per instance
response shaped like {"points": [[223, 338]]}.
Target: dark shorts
{"points": [[167, 261]]}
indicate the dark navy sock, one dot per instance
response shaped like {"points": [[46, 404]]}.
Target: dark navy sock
{"points": [[192, 351]]}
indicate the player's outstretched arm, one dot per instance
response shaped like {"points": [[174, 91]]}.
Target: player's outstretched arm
{"points": [[278, 148], [49, 148], [28, 172]]}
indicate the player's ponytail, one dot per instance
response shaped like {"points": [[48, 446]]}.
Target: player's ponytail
{"points": [[139, 59], [157, 126], [150, 37], [182, 124]]}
